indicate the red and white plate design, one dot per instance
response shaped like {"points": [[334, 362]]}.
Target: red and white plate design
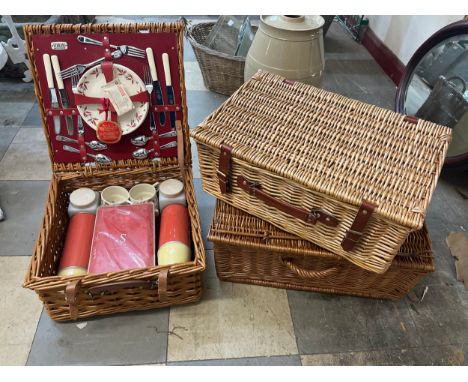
{"points": [[91, 84]]}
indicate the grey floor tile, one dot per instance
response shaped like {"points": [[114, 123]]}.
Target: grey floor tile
{"points": [[14, 113], [232, 321], [23, 203], [201, 104], [206, 205], [33, 119], [15, 90], [6, 137], [27, 157], [338, 43], [344, 324], [19, 313], [442, 317], [255, 361], [452, 355], [422, 356], [126, 339]]}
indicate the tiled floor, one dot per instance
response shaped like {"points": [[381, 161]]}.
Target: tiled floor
{"points": [[234, 324]]}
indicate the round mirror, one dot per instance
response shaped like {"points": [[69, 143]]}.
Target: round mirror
{"points": [[435, 86]]}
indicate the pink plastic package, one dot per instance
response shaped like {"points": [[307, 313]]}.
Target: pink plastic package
{"points": [[124, 238]]}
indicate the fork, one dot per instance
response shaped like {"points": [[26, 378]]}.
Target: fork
{"points": [[148, 80], [149, 88], [79, 69], [125, 49]]}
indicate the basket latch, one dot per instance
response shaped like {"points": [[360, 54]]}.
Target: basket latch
{"points": [[353, 235], [224, 169]]}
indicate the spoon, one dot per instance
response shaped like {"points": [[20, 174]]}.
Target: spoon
{"points": [[100, 158], [94, 145], [142, 140], [143, 153]]}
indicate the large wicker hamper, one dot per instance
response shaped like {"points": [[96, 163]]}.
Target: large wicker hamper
{"points": [[78, 297], [250, 250], [353, 178]]}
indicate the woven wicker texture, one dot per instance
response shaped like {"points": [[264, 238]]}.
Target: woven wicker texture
{"points": [[176, 284], [314, 148], [250, 250], [221, 72]]}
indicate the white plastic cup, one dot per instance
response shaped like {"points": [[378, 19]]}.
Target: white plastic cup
{"points": [[114, 196]]}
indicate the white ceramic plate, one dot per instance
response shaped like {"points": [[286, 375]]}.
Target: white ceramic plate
{"points": [[91, 84]]}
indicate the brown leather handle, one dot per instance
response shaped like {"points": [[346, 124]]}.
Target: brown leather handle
{"points": [[312, 216], [307, 273], [107, 288]]}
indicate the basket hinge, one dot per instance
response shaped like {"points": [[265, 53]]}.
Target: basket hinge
{"points": [[353, 235], [224, 169], [411, 119]]}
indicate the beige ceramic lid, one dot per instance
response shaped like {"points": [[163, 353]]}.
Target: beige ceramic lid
{"points": [[171, 187], [82, 197], [294, 23]]}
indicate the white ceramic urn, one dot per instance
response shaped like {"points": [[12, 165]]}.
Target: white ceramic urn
{"points": [[291, 46]]}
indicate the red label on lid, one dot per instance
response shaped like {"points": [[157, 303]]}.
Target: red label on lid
{"points": [[108, 132]]}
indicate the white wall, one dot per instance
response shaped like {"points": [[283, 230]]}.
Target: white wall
{"points": [[404, 34]]}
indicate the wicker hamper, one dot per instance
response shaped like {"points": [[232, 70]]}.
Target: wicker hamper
{"points": [[221, 72], [353, 178], [250, 250], [80, 297]]}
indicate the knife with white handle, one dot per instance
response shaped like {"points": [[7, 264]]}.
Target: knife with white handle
{"points": [[169, 88], [62, 93], [156, 84], [52, 93]]}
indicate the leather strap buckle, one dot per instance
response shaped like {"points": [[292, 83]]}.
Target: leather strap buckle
{"points": [[354, 234], [224, 169], [224, 183]]}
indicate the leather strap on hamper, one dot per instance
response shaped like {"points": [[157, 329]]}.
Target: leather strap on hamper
{"points": [[224, 169], [360, 221], [313, 216], [111, 287], [71, 293]]}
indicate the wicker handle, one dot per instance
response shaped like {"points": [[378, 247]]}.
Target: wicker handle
{"points": [[72, 290], [307, 273], [312, 216], [107, 288]]}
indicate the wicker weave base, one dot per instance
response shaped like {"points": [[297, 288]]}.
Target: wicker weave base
{"points": [[182, 282], [250, 250]]}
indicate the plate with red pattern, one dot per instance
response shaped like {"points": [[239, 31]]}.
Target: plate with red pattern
{"points": [[90, 85]]}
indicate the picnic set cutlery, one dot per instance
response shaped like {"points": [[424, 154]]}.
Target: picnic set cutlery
{"points": [[52, 92], [75, 110], [62, 93]]}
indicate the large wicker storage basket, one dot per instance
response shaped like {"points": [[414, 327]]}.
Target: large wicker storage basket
{"points": [[78, 297], [250, 250], [221, 72], [353, 178]]}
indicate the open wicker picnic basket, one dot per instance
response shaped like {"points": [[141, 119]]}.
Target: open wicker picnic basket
{"points": [[250, 250], [352, 178], [79, 297]]}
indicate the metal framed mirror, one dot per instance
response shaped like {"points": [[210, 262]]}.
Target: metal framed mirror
{"points": [[435, 86]]}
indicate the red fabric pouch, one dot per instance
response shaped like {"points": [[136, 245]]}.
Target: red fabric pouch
{"points": [[124, 238]]}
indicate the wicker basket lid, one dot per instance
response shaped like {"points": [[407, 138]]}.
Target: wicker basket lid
{"points": [[232, 226], [332, 144], [168, 36]]}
